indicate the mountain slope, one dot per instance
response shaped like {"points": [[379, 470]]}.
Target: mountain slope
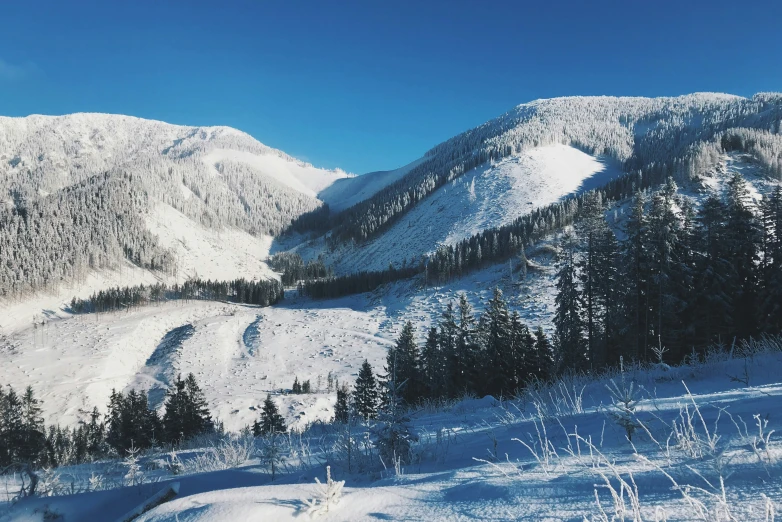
{"points": [[91, 192], [653, 135]]}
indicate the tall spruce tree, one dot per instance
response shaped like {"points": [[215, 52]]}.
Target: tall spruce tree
{"points": [[498, 364], [742, 238], [342, 407], [271, 422], [568, 319], [433, 365], [404, 361], [365, 393]]}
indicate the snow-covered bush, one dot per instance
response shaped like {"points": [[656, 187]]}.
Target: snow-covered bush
{"points": [[325, 496], [624, 399]]}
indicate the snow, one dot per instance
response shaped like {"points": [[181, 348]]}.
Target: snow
{"points": [[344, 193], [297, 175], [488, 196], [221, 254], [473, 467]]}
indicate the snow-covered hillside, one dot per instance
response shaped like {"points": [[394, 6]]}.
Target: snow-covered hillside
{"points": [[174, 201], [491, 195]]}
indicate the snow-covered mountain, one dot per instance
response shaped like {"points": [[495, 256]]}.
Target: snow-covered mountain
{"points": [[85, 193]]}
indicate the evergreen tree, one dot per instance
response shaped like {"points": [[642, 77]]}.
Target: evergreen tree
{"points": [[567, 318], [448, 340], [712, 309], [365, 393], [433, 365], [467, 375], [404, 361], [544, 356], [271, 422], [635, 278], [771, 295], [499, 362], [393, 431], [742, 238], [342, 408], [33, 436]]}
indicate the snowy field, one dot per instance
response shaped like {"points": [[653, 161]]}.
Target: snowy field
{"points": [[239, 352], [703, 449]]}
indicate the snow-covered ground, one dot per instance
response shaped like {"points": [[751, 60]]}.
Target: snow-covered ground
{"points": [[488, 196], [703, 449], [344, 193]]}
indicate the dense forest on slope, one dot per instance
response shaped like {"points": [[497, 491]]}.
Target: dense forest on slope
{"points": [[75, 192], [666, 136]]}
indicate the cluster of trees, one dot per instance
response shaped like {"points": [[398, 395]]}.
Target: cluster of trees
{"points": [[355, 283], [649, 136], [66, 208], [262, 293], [678, 280], [293, 268], [301, 387], [93, 224], [494, 354], [26, 442], [763, 145]]}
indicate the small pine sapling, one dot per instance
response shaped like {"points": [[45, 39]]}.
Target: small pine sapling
{"points": [[326, 495], [624, 400]]}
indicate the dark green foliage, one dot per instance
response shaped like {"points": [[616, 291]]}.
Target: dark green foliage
{"points": [[404, 361], [568, 318], [262, 293], [271, 422], [293, 268], [186, 413], [342, 408], [131, 423], [365, 394]]}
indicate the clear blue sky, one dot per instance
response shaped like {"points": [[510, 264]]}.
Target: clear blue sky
{"points": [[371, 85]]}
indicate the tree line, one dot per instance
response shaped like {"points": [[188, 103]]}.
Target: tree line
{"points": [[293, 268], [262, 293]]}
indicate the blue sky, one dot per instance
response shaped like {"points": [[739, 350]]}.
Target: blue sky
{"points": [[371, 85]]}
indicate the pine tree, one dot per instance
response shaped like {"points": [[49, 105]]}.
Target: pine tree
{"points": [[342, 407], [403, 360], [447, 338], [567, 318], [197, 419], [771, 295], [499, 363], [432, 366], [544, 356], [33, 429], [742, 239], [712, 317], [467, 372], [271, 422], [365, 393], [635, 278], [393, 431]]}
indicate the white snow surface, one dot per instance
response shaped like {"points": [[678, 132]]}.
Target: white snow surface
{"points": [[491, 195], [297, 175], [344, 193], [448, 482]]}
